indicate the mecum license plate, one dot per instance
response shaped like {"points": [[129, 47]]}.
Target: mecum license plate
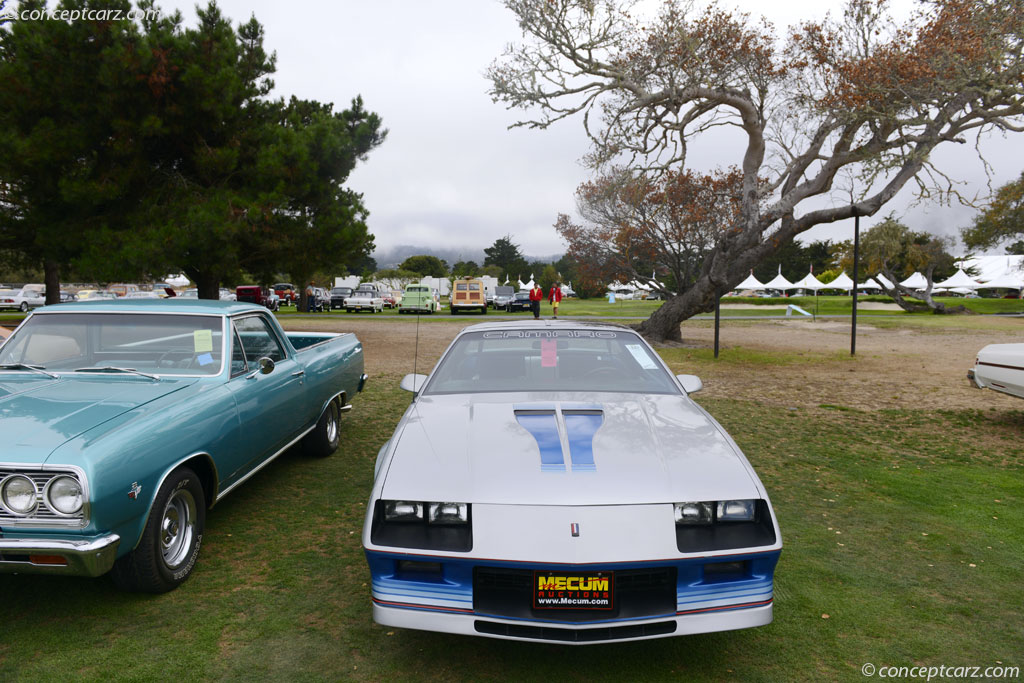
{"points": [[574, 590]]}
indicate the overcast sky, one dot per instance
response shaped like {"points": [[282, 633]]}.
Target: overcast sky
{"points": [[451, 174]]}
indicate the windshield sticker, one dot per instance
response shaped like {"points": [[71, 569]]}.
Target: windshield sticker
{"points": [[641, 357], [550, 334], [203, 341], [204, 359], [548, 353]]}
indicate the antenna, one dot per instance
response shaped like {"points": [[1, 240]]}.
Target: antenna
{"points": [[415, 355]]}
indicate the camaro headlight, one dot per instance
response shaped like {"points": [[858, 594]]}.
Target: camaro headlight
{"points": [[18, 493], [402, 511], [64, 495], [735, 511], [448, 513], [706, 512], [693, 513]]}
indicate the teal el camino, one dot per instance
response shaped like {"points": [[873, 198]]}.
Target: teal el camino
{"points": [[122, 422]]}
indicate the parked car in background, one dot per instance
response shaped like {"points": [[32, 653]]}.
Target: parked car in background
{"points": [[255, 294], [286, 291], [502, 295], [323, 299], [364, 300], [125, 421], [338, 296], [21, 299], [555, 482], [520, 301], [142, 295], [122, 289], [227, 295], [67, 297], [417, 299], [161, 289], [190, 293], [1000, 367], [90, 294], [389, 299], [468, 295]]}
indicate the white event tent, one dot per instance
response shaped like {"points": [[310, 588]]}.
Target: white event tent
{"points": [[750, 283], [915, 281], [842, 282], [959, 281], [779, 282], [809, 282]]}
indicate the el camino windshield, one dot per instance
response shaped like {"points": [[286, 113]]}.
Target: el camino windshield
{"points": [[157, 344], [550, 360]]}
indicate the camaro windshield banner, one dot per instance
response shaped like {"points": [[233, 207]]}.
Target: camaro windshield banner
{"points": [[573, 590]]}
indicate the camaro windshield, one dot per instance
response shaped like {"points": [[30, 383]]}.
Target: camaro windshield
{"points": [[550, 360], [158, 344]]}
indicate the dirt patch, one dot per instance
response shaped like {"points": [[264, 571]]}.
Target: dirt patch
{"points": [[903, 367]]}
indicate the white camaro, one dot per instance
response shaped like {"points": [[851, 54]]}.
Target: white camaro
{"points": [[552, 481]]}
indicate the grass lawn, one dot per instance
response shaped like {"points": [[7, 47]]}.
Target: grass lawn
{"points": [[903, 533]]}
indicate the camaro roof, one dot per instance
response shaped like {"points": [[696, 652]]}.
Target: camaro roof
{"points": [[170, 305]]}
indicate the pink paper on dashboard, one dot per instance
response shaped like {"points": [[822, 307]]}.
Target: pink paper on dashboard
{"points": [[548, 353]]}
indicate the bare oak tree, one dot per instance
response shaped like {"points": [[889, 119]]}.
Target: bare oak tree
{"points": [[854, 104], [637, 225]]}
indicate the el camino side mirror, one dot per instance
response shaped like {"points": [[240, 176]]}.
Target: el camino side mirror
{"points": [[413, 383], [691, 383], [266, 365]]}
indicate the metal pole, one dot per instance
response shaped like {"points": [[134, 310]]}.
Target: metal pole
{"points": [[856, 260], [718, 300]]}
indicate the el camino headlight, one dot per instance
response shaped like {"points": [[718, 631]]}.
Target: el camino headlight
{"points": [[64, 495], [18, 494]]}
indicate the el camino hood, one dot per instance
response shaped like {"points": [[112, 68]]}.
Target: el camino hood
{"points": [[564, 450], [38, 416]]}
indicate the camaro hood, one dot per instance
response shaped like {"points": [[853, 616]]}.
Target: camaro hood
{"points": [[564, 449], [37, 416]]}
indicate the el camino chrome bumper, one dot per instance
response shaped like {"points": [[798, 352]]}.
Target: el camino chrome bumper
{"points": [[68, 556]]}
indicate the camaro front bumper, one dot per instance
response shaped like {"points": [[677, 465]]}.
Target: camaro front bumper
{"points": [[499, 599], [72, 556]]}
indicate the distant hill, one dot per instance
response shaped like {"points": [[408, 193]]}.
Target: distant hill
{"points": [[391, 258]]}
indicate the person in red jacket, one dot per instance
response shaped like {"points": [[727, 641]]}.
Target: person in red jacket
{"points": [[536, 294], [555, 296]]}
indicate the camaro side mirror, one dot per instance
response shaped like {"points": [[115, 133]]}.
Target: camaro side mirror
{"points": [[691, 383], [266, 365], [413, 383]]}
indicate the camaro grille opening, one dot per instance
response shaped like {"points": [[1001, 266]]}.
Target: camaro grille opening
{"points": [[575, 635], [623, 594]]}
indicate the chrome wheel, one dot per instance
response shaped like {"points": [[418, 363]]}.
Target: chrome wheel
{"points": [[332, 426], [177, 528]]}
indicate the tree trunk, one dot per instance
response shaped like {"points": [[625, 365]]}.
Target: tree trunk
{"points": [[207, 283], [51, 275], [898, 293]]}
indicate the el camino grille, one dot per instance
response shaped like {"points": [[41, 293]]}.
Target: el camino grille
{"points": [[42, 515]]}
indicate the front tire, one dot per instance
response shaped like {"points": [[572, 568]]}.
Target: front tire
{"points": [[326, 436], [167, 552], [24, 307]]}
